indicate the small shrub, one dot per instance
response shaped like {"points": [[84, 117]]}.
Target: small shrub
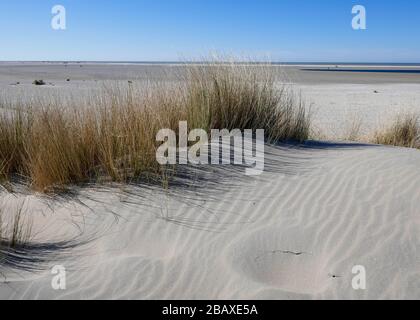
{"points": [[39, 82]]}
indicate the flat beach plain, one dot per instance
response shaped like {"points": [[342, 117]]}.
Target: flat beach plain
{"points": [[336, 98], [295, 232]]}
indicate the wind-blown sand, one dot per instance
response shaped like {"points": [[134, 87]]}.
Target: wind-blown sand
{"points": [[295, 232]]}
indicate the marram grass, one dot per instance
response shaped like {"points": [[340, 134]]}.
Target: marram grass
{"points": [[111, 136], [404, 131]]}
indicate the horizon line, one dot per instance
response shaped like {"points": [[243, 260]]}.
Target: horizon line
{"points": [[209, 61]]}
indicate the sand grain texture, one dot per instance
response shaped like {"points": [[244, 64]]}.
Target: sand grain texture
{"points": [[294, 233]]}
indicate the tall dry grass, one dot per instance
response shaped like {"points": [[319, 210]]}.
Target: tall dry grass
{"points": [[404, 131], [111, 136], [243, 96]]}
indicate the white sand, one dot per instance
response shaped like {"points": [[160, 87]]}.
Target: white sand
{"points": [[290, 234], [295, 232], [336, 107], [337, 99]]}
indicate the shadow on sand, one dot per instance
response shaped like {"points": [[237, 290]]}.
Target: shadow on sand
{"points": [[194, 185]]}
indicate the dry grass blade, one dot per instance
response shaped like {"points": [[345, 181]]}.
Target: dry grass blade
{"points": [[55, 143], [15, 228], [403, 132]]}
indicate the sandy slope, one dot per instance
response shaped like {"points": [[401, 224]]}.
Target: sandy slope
{"points": [[295, 232]]}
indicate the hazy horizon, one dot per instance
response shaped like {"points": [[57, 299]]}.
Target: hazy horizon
{"points": [[222, 61]]}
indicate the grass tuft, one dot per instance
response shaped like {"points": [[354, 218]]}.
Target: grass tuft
{"points": [[111, 136], [15, 228], [403, 132], [39, 83]]}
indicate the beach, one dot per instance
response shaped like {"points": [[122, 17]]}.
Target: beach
{"points": [[321, 208], [336, 99]]}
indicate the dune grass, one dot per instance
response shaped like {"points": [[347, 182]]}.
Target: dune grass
{"points": [[15, 228], [404, 131], [240, 97], [54, 143]]}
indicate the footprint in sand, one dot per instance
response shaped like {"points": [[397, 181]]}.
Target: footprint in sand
{"points": [[282, 259]]}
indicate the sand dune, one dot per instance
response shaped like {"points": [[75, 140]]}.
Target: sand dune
{"points": [[294, 232]]}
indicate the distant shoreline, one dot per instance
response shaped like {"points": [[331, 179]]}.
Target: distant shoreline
{"points": [[367, 70], [180, 63]]}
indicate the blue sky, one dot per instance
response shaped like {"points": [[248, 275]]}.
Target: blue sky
{"points": [[168, 30]]}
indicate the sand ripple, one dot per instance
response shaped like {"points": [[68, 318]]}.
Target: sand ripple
{"points": [[295, 232]]}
